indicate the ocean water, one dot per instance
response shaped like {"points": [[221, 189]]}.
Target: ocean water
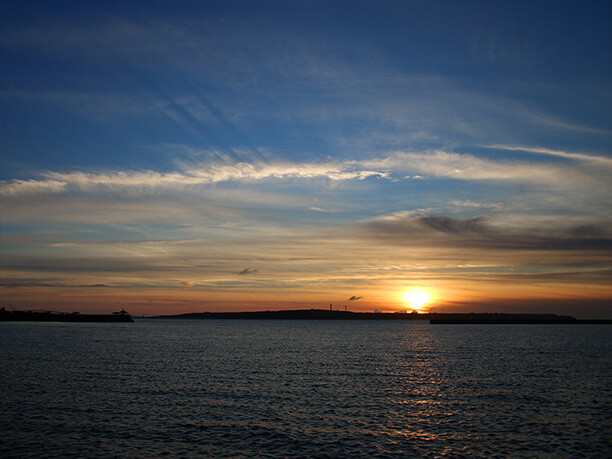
{"points": [[232, 388]]}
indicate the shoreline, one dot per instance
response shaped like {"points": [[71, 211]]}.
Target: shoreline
{"points": [[433, 318]]}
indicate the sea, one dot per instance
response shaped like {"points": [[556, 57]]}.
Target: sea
{"points": [[276, 388]]}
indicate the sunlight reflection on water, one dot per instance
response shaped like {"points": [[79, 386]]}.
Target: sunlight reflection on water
{"points": [[287, 388]]}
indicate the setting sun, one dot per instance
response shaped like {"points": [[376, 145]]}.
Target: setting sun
{"points": [[416, 299]]}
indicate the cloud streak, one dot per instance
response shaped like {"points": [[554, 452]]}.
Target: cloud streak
{"points": [[56, 182], [28, 283], [443, 164], [436, 163], [598, 160], [479, 232]]}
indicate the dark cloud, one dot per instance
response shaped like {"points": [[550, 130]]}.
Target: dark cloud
{"points": [[247, 271], [101, 265], [355, 298], [80, 264], [33, 283], [453, 225], [592, 275], [592, 231], [429, 224], [477, 232]]}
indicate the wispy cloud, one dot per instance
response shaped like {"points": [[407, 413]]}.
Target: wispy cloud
{"points": [[556, 123], [239, 57], [436, 163], [19, 283], [203, 175], [325, 211], [468, 204], [32, 187], [463, 166], [599, 160]]}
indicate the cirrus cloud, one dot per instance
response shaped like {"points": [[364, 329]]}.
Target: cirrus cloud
{"points": [[432, 163], [54, 182]]}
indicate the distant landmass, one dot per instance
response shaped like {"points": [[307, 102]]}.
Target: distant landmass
{"points": [[53, 316], [433, 318]]}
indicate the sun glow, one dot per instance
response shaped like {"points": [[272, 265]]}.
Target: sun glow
{"points": [[416, 299]]}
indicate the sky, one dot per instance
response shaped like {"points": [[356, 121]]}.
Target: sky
{"points": [[172, 157]]}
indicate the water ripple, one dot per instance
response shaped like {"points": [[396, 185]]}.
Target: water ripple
{"points": [[287, 389]]}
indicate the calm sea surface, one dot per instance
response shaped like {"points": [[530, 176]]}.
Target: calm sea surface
{"points": [[228, 388]]}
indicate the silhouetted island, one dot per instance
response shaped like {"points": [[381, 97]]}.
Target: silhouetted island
{"points": [[53, 316], [433, 318]]}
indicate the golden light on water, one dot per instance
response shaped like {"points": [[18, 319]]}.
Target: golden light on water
{"points": [[416, 299]]}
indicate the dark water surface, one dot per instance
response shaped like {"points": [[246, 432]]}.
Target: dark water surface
{"points": [[227, 388]]}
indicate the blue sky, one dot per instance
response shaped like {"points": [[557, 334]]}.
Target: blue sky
{"points": [[332, 147]]}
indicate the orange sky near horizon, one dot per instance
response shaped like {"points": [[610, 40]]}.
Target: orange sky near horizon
{"points": [[559, 299]]}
